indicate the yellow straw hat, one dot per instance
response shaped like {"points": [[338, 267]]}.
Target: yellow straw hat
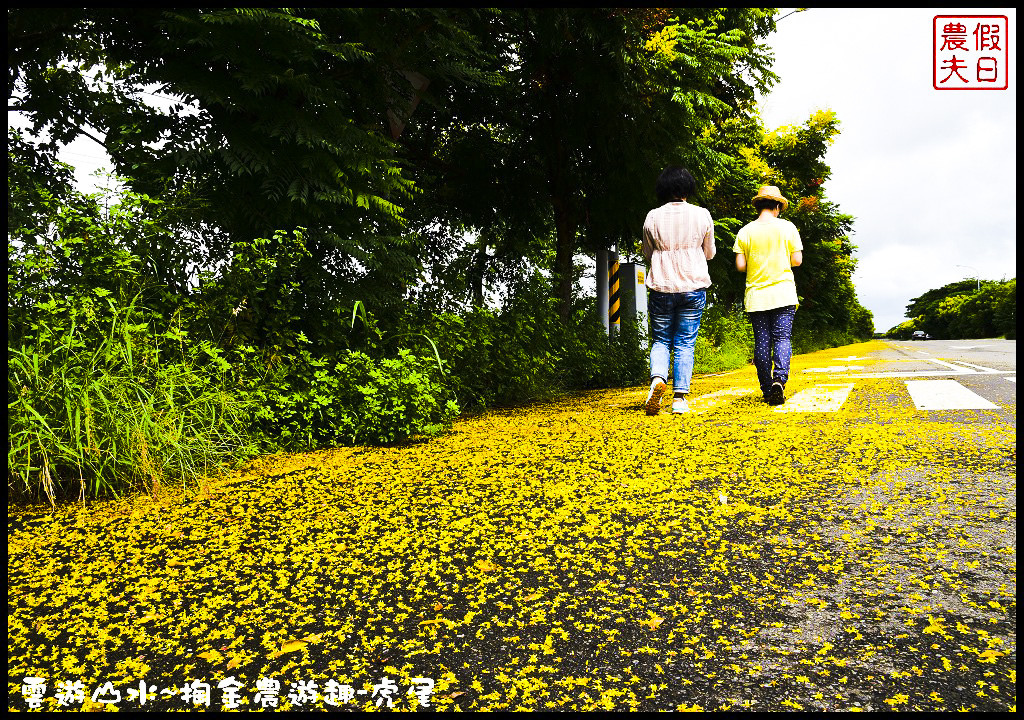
{"points": [[770, 192]]}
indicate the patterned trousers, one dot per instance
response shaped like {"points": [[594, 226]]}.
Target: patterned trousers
{"points": [[773, 344]]}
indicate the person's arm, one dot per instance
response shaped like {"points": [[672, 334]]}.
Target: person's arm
{"points": [[709, 240], [796, 248], [647, 246], [739, 247]]}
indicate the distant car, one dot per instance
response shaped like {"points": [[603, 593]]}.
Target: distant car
{"points": [[920, 335]]}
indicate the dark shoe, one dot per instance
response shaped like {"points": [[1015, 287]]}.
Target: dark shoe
{"points": [[653, 402], [776, 394]]}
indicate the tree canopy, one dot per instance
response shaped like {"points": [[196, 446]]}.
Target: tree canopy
{"points": [[963, 309], [428, 152], [793, 159], [536, 129]]}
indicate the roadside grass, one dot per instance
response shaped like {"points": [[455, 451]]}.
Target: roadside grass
{"points": [[731, 355], [119, 416], [575, 555]]}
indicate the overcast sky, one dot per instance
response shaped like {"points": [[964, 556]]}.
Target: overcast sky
{"points": [[929, 175]]}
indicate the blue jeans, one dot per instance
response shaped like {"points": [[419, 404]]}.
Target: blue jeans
{"points": [[773, 344], [675, 320]]}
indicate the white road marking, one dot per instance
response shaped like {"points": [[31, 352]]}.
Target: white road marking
{"points": [[967, 347], [835, 368], [820, 398], [1013, 380], [928, 373], [951, 370], [946, 364], [911, 373], [711, 400], [958, 369], [945, 395], [977, 367]]}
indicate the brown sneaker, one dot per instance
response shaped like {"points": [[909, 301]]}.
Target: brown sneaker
{"points": [[653, 403]]}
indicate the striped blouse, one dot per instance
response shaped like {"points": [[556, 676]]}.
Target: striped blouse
{"points": [[676, 236]]}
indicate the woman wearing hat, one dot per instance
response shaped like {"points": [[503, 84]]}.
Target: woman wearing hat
{"points": [[678, 241], [766, 250]]}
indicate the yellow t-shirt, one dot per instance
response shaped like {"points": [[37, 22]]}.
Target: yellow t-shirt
{"points": [[767, 245]]}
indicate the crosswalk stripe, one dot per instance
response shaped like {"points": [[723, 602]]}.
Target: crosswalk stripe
{"points": [[945, 364], [834, 369], [945, 395], [820, 398], [712, 400], [926, 395]]}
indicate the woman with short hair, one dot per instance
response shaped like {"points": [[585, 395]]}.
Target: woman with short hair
{"points": [[678, 241]]}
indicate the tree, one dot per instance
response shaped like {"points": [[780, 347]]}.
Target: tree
{"points": [[1006, 310], [927, 308], [792, 158], [563, 155], [963, 310], [281, 119]]}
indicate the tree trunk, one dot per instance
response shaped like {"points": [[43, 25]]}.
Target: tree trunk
{"points": [[560, 185], [565, 248], [477, 275]]}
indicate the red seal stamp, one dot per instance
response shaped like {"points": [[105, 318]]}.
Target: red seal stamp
{"points": [[970, 52]]}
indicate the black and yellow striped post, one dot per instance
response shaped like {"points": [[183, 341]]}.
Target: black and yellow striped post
{"points": [[614, 300]]}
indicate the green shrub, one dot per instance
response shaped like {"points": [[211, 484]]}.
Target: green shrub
{"points": [[592, 358], [1005, 314], [963, 309], [903, 331], [524, 352], [725, 341], [308, 402], [107, 393]]}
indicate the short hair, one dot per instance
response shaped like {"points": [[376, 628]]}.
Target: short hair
{"points": [[674, 183], [767, 204]]}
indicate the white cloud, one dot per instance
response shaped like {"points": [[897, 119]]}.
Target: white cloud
{"points": [[929, 175]]}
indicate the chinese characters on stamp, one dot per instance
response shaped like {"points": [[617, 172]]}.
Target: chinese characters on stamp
{"points": [[970, 52]]}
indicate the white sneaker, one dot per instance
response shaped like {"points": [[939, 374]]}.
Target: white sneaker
{"points": [[653, 402], [679, 405]]}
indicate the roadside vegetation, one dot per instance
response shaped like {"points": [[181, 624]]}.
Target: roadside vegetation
{"points": [[574, 554], [964, 309], [330, 240]]}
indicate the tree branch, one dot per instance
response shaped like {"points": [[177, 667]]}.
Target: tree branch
{"points": [[96, 139]]}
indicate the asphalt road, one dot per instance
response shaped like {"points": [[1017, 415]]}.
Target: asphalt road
{"points": [[987, 368], [996, 354], [938, 513], [952, 375], [853, 549]]}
